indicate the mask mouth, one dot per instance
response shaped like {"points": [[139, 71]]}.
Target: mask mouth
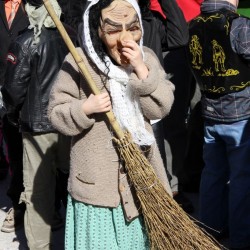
{"points": [[124, 60], [119, 51]]}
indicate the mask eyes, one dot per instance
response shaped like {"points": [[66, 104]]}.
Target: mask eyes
{"points": [[114, 34], [134, 29]]}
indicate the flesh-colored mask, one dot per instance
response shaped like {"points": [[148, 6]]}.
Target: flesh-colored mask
{"points": [[119, 22]]}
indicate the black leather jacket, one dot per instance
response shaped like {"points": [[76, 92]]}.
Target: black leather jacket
{"points": [[165, 34], [8, 35], [31, 71]]}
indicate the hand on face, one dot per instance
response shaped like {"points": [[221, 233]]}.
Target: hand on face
{"points": [[132, 52]]}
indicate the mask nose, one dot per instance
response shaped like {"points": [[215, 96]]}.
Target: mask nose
{"points": [[126, 35]]}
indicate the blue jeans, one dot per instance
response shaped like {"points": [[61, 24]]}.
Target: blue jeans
{"points": [[225, 180]]}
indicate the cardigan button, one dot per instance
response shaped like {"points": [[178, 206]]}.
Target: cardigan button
{"points": [[121, 188]]}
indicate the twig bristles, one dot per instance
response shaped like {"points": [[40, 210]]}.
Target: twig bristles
{"points": [[168, 226]]}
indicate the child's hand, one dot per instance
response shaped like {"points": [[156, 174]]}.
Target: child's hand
{"points": [[97, 104], [131, 50]]}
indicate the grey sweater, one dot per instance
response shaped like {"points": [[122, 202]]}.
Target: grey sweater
{"points": [[96, 177]]}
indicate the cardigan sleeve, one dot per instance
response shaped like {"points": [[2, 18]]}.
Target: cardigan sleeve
{"points": [[65, 106], [156, 92]]}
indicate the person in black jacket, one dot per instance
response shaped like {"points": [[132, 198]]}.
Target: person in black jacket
{"points": [[8, 34], [11, 135], [163, 34], [34, 60]]}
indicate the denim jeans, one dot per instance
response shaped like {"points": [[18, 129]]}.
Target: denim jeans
{"points": [[225, 180]]}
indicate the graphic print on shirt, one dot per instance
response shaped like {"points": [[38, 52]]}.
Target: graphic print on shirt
{"points": [[196, 50], [217, 67], [219, 58]]}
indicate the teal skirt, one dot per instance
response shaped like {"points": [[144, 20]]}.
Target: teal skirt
{"points": [[97, 228]]}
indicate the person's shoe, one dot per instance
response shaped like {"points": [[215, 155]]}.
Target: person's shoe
{"points": [[13, 221], [57, 222], [184, 202]]}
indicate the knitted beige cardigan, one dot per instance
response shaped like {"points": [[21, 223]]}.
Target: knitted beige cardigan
{"points": [[96, 175]]}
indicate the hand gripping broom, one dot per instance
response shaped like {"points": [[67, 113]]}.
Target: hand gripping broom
{"points": [[168, 226]]}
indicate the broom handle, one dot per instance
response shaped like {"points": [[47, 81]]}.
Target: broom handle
{"points": [[83, 69]]}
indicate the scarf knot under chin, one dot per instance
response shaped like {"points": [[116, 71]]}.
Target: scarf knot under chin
{"points": [[127, 110]]}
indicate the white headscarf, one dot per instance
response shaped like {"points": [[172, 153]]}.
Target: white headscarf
{"points": [[126, 106], [40, 16]]}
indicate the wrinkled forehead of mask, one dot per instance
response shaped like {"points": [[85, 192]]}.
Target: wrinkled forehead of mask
{"points": [[119, 11]]}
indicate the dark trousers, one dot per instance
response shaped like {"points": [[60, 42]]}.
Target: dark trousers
{"points": [[176, 133], [158, 129], [13, 139], [194, 163]]}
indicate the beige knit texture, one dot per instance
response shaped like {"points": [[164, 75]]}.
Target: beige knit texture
{"points": [[96, 177]]}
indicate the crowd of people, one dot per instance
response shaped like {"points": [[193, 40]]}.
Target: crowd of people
{"points": [[149, 59]]}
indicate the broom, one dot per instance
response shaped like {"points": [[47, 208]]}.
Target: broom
{"points": [[168, 226]]}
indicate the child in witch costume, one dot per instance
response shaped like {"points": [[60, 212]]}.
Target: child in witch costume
{"points": [[103, 211]]}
